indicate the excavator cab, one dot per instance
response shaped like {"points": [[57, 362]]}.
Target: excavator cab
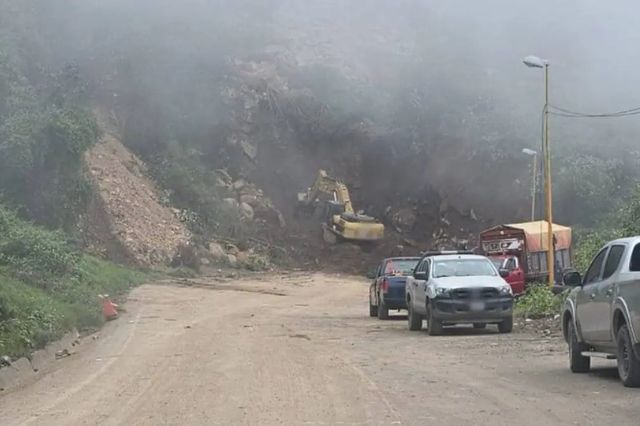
{"points": [[331, 209]]}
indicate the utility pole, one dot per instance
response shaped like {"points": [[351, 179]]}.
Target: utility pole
{"points": [[548, 188], [535, 62]]}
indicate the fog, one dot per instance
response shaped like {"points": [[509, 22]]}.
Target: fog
{"points": [[447, 75]]}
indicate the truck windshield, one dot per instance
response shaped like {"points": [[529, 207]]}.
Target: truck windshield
{"points": [[463, 268], [400, 266]]}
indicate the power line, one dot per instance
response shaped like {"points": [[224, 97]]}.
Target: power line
{"points": [[573, 114]]}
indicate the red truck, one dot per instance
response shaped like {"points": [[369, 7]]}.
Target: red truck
{"points": [[521, 249]]}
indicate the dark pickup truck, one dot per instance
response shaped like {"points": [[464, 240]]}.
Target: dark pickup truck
{"points": [[387, 291]]}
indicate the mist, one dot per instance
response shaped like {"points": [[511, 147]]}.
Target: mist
{"points": [[440, 87]]}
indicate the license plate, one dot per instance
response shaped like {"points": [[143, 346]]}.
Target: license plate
{"points": [[477, 306]]}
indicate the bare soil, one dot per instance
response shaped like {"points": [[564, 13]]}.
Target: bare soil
{"points": [[299, 348]]}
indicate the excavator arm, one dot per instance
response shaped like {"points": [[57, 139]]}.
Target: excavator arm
{"points": [[327, 185]]}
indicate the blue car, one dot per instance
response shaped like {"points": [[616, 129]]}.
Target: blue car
{"points": [[387, 291]]}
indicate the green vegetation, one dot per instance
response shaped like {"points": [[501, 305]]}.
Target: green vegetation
{"points": [[631, 215], [43, 135], [539, 302], [47, 286], [624, 222]]}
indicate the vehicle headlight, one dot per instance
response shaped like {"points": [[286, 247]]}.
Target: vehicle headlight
{"points": [[506, 290], [442, 292]]}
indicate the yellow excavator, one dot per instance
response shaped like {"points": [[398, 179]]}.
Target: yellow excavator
{"points": [[330, 198]]}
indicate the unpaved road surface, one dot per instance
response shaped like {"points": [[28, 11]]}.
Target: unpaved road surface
{"points": [[299, 349]]}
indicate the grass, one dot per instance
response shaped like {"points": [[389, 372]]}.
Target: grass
{"points": [[31, 316], [48, 287]]}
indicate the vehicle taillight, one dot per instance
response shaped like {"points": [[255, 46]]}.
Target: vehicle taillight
{"points": [[385, 285]]}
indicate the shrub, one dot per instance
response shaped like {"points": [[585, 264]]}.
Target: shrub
{"points": [[34, 253], [539, 302]]}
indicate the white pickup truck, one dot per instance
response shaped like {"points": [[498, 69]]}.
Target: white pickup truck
{"points": [[448, 288]]}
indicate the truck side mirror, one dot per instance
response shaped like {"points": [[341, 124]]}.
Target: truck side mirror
{"points": [[504, 273], [371, 274], [421, 275], [572, 279]]}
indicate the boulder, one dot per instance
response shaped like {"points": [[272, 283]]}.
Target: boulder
{"points": [[216, 251], [242, 257], [232, 249], [251, 199], [249, 150], [230, 203], [239, 184], [404, 219], [233, 261], [247, 210]]}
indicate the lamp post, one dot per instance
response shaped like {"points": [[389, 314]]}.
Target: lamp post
{"points": [[534, 180], [535, 62]]}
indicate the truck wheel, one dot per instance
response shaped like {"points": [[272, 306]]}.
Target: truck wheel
{"points": [[577, 362], [435, 328], [628, 362], [415, 320], [506, 326], [479, 325], [383, 310], [373, 310]]}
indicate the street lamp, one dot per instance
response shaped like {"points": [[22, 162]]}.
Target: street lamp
{"points": [[535, 62], [534, 180]]}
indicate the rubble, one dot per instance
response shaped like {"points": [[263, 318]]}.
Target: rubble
{"points": [[149, 232], [404, 219]]}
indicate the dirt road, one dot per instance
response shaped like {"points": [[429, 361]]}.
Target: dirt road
{"points": [[299, 349]]}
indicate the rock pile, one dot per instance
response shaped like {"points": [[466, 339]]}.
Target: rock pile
{"points": [[149, 232], [225, 253], [249, 201]]}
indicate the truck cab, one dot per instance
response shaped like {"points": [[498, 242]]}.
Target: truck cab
{"points": [[513, 271]]}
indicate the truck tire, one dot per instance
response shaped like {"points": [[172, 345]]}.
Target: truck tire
{"points": [[415, 320], [479, 325], [506, 326], [434, 327], [383, 310], [577, 362], [628, 362], [373, 310]]}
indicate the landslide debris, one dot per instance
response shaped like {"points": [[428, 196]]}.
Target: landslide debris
{"points": [[149, 232]]}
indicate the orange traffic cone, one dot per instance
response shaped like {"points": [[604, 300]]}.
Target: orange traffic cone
{"points": [[109, 309]]}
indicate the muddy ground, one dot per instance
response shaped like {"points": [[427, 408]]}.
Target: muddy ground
{"points": [[299, 348]]}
